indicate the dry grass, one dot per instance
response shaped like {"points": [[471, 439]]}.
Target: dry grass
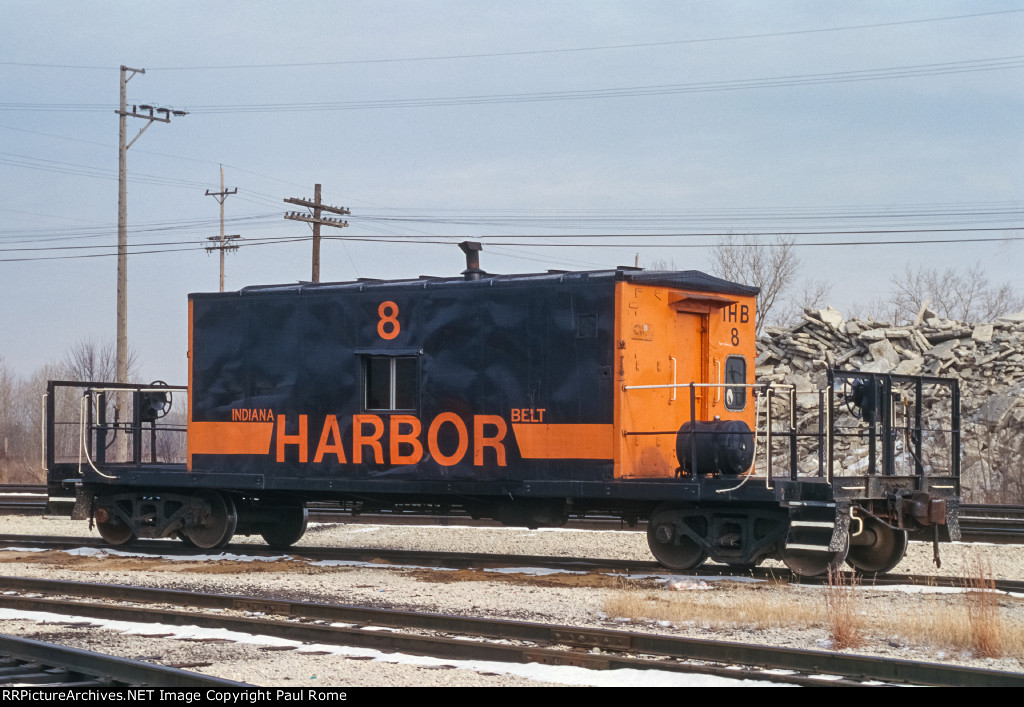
{"points": [[14, 471], [841, 606], [970, 623], [983, 615], [759, 607]]}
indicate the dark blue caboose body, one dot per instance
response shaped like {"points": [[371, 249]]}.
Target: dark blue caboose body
{"points": [[525, 398]]}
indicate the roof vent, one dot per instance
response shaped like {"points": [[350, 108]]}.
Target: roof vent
{"points": [[472, 250]]}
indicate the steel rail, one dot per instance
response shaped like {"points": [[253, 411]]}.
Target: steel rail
{"points": [[482, 561], [422, 558], [609, 643], [34, 489], [46, 664], [21, 508], [500, 649]]}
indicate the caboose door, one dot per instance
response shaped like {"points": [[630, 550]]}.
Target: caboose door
{"points": [[691, 362]]}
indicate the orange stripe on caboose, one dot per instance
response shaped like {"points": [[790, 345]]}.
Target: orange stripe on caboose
{"points": [[230, 437], [537, 441]]}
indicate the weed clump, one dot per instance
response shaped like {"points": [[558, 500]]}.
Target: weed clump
{"points": [[984, 623], [842, 609]]}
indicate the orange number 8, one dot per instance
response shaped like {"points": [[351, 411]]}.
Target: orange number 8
{"points": [[388, 312]]}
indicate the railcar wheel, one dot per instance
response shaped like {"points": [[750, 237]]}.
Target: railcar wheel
{"points": [[812, 563], [110, 528], [287, 531], [883, 553], [670, 547], [217, 528], [184, 539], [115, 533]]}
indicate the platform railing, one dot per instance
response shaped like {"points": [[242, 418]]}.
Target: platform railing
{"points": [[83, 405], [881, 432]]}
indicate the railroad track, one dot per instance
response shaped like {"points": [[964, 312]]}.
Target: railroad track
{"points": [[25, 662], [22, 499], [991, 523], [479, 561], [463, 638]]}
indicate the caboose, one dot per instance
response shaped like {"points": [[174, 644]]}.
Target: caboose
{"points": [[528, 399]]}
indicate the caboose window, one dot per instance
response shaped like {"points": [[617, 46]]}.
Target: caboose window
{"points": [[735, 372], [391, 382]]}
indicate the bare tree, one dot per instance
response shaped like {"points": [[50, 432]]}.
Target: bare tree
{"points": [[663, 264], [812, 294], [170, 439], [21, 405], [772, 267], [966, 296], [10, 425], [89, 361], [878, 309]]}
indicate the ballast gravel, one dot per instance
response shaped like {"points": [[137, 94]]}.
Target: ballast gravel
{"points": [[558, 599]]}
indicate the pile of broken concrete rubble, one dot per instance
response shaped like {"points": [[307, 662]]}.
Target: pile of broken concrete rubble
{"points": [[987, 358]]}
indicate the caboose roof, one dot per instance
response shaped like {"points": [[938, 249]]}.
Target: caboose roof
{"points": [[694, 280]]}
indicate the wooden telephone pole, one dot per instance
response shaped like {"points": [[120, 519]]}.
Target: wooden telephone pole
{"points": [[152, 114], [221, 196], [317, 220]]}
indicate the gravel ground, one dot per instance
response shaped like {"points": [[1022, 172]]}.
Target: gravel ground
{"points": [[555, 598]]}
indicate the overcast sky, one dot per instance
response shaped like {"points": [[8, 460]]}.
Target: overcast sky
{"points": [[440, 121]]}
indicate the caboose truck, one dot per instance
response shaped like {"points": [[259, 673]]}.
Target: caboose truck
{"points": [[523, 398]]}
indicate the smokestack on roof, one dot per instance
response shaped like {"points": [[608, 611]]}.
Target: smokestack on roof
{"points": [[472, 250]]}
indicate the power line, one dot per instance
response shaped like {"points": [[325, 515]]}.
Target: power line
{"points": [[82, 170], [640, 219], [785, 81], [859, 75], [633, 241], [798, 244], [159, 154], [572, 50], [533, 52], [188, 246], [44, 235]]}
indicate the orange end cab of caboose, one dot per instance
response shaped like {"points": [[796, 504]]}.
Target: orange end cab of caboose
{"points": [[670, 337]]}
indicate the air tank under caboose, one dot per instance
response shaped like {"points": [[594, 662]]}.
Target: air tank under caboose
{"points": [[715, 447]]}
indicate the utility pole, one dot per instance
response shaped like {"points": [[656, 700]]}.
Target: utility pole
{"points": [[223, 246], [122, 221], [221, 196], [317, 220]]}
